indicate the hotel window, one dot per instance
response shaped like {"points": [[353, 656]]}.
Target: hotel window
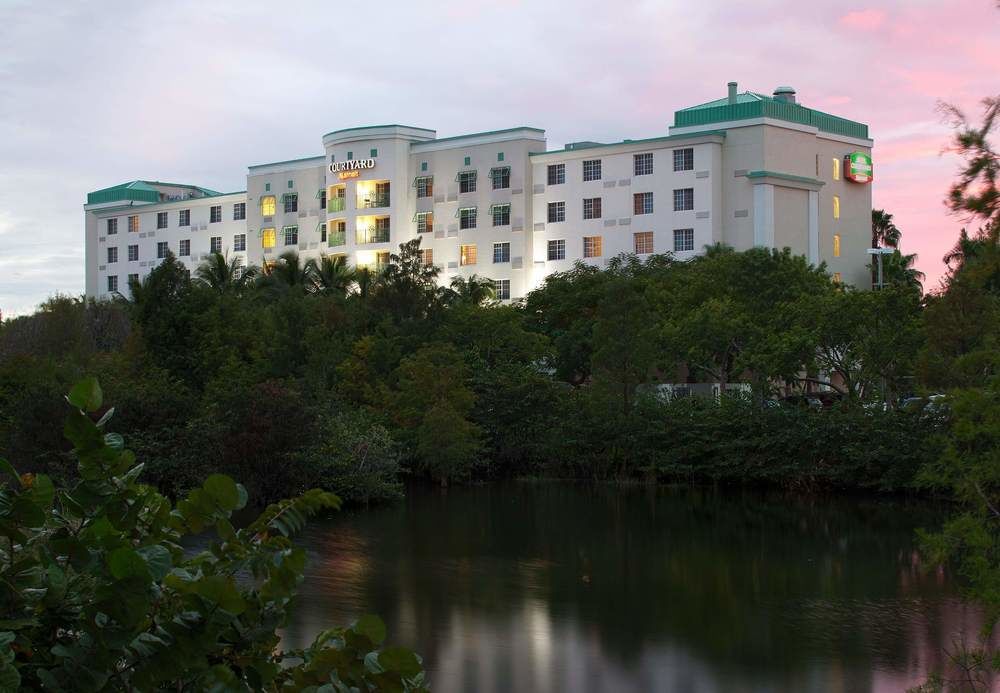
{"points": [[337, 234], [291, 235], [161, 220], [112, 226], [112, 255], [321, 194], [239, 211], [836, 169], [557, 212], [557, 174], [162, 249], [501, 215], [642, 203], [267, 238], [592, 169], [133, 279], [467, 182], [683, 240], [501, 289], [427, 257], [642, 164], [322, 233], [133, 253], [239, 270], [267, 187], [184, 248], [425, 222], [501, 177], [215, 214], [467, 255], [499, 156], [591, 208], [501, 253], [684, 159], [837, 278], [215, 244], [684, 200], [291, 202], [425, 186], [133, 224], [373, 153], [557, 250], [267, 206], [184, 217], [643, 242], [423, 165], [350, 156], [112, 283], [836, 245], [592, 246], [289, 185], [467, 218], [468, 161], [836, 207]]}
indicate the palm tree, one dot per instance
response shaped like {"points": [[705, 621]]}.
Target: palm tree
{"points": [[474, 291], [884, 231], [898, 269], [223, 274], [287, 273], [331, 275]]}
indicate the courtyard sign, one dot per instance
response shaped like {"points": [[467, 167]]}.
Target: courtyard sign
{"points": [[858, 167], [351, 165]]}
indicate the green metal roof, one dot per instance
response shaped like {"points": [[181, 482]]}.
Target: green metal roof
{"points": [[317, 157], [373, 127], [753, 105], [140, 191], [579, 146]]}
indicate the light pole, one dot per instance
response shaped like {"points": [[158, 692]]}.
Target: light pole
{"points": [[878, 253]]}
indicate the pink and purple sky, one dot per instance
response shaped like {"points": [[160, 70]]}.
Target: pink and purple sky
{"points": [[193, 91]]}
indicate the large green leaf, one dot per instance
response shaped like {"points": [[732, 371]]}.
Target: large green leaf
{"points": [[157, 559], [400, 660], [126, 563], [86, 395], [223, 491], [223, 591], [371, 627], [6, 466]]}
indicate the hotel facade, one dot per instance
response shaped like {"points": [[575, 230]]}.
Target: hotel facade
{"points": [[745, 170]]}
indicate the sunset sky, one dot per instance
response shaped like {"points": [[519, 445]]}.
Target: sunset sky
{"points": [[92, 95]]}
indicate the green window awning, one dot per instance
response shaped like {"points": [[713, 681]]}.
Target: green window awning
{"points": [[416, 181], [459, 211], [500, 206], [469, 174]]}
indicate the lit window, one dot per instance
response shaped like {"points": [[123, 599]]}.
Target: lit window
{"points": [[501, 215], [836, 278], [592, 169], [557, 250], [501, 253], [161, 220], [501, 289], [642, 164], [557, 174], [112, 255], [592, 246], [267, 206], [112, 226], [467, 255], [683, 239], [642, 203], [425, 222], [836, 169], [643, 242], [184, 248], [133, 224], [291, 235], [836, 206], [684, 200], [467, 218], [557, 212], [684, 159], [836, 245], [184, 217], [239, 211], [267, 237], [427, 256], [591, 208]]}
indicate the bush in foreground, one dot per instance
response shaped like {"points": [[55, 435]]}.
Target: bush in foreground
{"points": [[97, 594]]}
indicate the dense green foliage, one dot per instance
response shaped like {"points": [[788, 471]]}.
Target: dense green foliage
{"points": [[98, 593]]}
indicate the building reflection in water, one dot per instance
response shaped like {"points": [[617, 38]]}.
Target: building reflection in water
{"points": [[561, 587]]}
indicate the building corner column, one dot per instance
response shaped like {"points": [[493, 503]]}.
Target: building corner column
{"points": [[763, 215], [813, 241]]}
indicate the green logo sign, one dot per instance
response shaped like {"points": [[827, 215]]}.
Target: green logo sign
{"points": [[858, 167]]}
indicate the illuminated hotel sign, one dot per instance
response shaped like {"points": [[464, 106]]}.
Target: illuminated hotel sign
{"points": [[858, 167], [352, 168]]}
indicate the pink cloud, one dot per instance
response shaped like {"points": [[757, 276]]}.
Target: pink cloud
{"points": [[863, 20]]}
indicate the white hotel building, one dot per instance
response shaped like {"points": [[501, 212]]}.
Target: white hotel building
{"points": [[745, 170]]}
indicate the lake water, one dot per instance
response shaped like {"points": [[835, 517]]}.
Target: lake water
{"points": [[571, 587]]}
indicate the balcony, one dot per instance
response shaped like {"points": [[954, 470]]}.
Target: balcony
{"points": [[373, 201], [372, 234], [336, 238], [336, 204]]}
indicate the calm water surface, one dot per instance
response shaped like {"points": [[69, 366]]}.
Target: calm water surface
{"points": [[564, 587]]}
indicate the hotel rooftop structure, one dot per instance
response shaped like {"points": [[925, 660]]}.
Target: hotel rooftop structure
{"points": [[745, 170]]}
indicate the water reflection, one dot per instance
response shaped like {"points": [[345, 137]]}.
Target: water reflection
{"points": [[548, 587]]}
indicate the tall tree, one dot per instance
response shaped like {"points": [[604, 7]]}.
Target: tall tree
{"points": [[332, 275], [223, 274], [884, 231], [975, 194]]}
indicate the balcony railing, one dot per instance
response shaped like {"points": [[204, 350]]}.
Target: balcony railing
{"points": [[336, 238], [373, 201], [372, 234], [336, 204]]}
